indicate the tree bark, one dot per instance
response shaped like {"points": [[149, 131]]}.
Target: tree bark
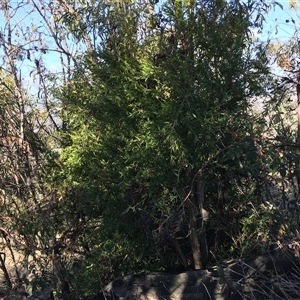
{"points": [[204, 217], [180, 252], [298, 134], [195, 245]]}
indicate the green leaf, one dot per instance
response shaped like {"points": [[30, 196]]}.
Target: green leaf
{"points": [[252, 156], [283, 172], [221, 271], [222, 280]]}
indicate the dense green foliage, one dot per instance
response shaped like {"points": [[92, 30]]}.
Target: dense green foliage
{"points": [[149, 115], [155, 155]]}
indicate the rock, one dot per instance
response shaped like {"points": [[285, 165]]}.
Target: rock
{"points": [[234, 280], [46, 294]]}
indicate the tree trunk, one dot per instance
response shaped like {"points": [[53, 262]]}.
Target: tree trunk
{"points": [[195, 245], [204, 217], [298, 134], [180, 252]]}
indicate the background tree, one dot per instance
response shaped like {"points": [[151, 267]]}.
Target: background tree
{"points": [[29, 120]]}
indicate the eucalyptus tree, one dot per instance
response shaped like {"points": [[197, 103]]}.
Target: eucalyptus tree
{"points": [[281, 110], [28, 145]]}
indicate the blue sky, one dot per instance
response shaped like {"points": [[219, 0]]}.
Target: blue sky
{"points": [[279, 23], [276, 27], [29, 21]]}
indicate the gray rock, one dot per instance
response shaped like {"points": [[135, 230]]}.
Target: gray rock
{"points": [[232, 280], [46, 294]]}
